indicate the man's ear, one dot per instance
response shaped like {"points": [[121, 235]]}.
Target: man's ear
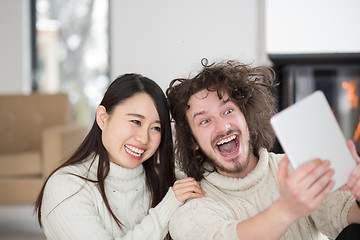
{"points": [[195, 145], [101, 116]]}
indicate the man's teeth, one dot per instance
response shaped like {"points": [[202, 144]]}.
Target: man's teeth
{"points": [[226, 140]]}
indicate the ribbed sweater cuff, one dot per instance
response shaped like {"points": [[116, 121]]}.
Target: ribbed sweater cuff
{"points": [[167, 207]]}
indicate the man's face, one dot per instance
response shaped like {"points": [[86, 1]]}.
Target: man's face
{"points": [[221, 132]]}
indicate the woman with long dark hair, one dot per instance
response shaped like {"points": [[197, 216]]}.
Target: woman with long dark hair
{"points": [[120, 183]]}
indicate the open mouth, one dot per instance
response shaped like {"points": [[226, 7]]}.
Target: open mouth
{"points": [[228, 145], [134, 151]]}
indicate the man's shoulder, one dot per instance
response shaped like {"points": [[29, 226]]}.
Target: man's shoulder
{"points": [[198, 218], [203, 201], [275, 158], [203, 205]]}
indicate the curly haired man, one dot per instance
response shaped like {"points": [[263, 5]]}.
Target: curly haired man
{"points": [[224, 139]]}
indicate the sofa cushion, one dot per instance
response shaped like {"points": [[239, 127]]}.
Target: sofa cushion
{"points": [[24, 117], [20, 164], [20, 190]]}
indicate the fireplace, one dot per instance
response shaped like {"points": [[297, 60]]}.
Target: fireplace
{"points": [[337, 75]]}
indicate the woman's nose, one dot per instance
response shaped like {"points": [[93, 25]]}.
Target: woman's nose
{"points": [[142, 136]]}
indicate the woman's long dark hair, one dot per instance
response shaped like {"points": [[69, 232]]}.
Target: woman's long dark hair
{"points": [[159, 168]]}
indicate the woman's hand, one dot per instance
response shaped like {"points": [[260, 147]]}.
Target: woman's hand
{"points": [[304, 190], [187, 188]]}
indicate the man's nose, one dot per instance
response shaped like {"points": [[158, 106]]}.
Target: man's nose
{"points": [[221, 125]]}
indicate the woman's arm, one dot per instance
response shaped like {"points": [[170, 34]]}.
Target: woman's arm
{"points": [[72, 210]]}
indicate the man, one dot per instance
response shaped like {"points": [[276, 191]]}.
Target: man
{"points": [[223, 139]]}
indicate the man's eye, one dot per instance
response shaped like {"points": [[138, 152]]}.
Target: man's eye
{"points": [[204, 121], [228, 111]]}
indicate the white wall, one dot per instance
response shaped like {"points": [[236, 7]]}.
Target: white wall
{"points": [[161, 39], [166, 39], [308, 26], [15, 67]]}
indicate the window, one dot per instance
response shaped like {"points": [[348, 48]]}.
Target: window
{"points": [[71, 51]]}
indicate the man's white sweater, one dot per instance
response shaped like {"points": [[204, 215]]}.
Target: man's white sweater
{"points": [[229, 201]]}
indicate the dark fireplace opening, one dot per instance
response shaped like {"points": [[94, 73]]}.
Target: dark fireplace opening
{"points": [[337, 75]]}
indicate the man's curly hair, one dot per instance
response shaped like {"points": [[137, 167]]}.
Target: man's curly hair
{"points": [[251, 88]]}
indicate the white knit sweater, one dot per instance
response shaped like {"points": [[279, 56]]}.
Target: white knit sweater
{"points": [[73, 208], [229, 201]]}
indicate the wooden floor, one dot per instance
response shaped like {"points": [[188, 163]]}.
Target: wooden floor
{"points": [[18, 223]]}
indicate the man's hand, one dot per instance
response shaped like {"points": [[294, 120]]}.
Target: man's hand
{"points": [[353, 183], [304, 190]]}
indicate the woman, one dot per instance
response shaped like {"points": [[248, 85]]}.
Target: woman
{"points": [[117, 184]]}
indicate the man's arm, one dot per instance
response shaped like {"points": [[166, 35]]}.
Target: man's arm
{"points": [[300, 194]]}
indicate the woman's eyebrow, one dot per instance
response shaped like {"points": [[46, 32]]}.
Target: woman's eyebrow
{"points": [[140, 116], [135, 115]]}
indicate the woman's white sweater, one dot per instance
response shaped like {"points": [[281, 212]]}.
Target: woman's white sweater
{"points": [[74, 209]]}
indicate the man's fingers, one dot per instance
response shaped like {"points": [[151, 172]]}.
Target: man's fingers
{"points": [[321, 184], [283, 168], [352, 149], [310, 171], [324, 193]]}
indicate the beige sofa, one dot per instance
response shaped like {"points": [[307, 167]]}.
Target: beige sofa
{"points": [[36, 134]]}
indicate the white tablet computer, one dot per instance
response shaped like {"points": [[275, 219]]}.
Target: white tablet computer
{"points": [[307, 130]]}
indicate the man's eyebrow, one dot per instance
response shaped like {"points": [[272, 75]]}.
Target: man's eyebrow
{"points": [[225, 101], [198, 113]]}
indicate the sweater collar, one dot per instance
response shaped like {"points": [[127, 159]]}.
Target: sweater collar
{"points": [[250, 182], [116, 171]]}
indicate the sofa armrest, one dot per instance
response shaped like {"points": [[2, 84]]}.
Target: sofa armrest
{"points": [[58, 143]]}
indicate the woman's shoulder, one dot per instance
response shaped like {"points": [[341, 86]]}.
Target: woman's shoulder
{"points": [[70, 178], [67, 183], [84, 168], [68, 172]]}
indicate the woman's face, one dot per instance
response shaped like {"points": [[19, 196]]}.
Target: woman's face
{"points": [[131, 134]]}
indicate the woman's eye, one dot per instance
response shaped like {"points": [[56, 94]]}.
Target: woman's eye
{"points": [[157, 129], [228, 111], [137, 122]]}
